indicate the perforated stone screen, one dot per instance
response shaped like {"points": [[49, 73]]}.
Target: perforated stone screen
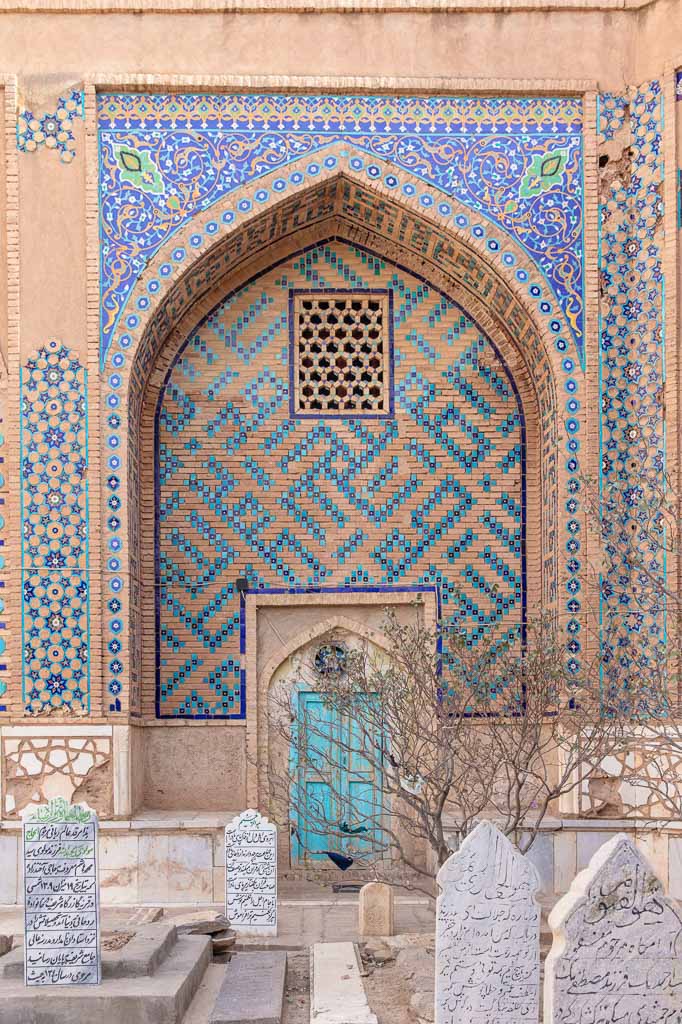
{"points": [[341, 353]]}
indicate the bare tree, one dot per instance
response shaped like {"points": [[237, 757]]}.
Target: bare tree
{"points": [[437, 730]]}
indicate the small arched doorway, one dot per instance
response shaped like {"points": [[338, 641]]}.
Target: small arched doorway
{"points": [[323, 779]]}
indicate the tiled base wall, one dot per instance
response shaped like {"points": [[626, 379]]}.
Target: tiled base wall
{"points": [[162, 862]]}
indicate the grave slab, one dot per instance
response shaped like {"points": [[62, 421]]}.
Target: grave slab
{"points": [[617, 944], [252, 991], [487, 933], [337, 995]]}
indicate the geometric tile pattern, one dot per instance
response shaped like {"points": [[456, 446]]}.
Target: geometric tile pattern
{"points": [[432, 496], [54, 509], [54, 131], [340, 354], [514, 161], [366, 207], [632, 369]]}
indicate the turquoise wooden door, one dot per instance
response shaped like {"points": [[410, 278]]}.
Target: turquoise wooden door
{"points": [[336, 798]]}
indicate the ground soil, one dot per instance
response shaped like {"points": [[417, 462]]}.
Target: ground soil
{"points": [[297, 997], [388, 994]]}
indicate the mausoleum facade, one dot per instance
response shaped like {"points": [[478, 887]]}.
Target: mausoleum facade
{"points": [[310, 312]]}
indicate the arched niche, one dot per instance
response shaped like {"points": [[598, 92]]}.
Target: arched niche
{"points": [[355, 212]]}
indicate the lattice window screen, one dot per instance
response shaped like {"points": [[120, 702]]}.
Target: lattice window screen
{"points": [[341, 354]]}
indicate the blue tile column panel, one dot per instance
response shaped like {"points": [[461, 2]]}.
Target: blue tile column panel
{"points": [[632, 368], [54, 511]]}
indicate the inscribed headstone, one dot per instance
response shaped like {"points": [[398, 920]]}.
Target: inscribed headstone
{"points": [[617, 945], [251, 874], [375, 909], [487, 933], [61, 891]]}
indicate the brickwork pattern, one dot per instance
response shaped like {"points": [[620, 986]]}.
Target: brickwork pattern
{"points": [[433, 495], [467, 261]]}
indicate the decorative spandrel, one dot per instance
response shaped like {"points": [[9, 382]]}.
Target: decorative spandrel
{"points": [[61, 893], [617, 949], [251, 874], [487, 933]]}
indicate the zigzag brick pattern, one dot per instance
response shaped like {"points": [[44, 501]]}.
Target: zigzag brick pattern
{"points": [[430, 495]]}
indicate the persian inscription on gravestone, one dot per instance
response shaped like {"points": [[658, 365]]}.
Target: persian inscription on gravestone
{"points": [[61, 892], [251, 874], [616, 954], [487, 933]]}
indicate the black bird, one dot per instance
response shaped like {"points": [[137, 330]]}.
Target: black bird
{"points": [[341, 862]]}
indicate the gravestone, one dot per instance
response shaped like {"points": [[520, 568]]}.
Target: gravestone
{"points": [[251, 874], [617, 945], [61, 892], [487, 933], [375, 909]]}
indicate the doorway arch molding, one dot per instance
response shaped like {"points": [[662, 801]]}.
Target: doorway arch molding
{"points": [[226, 246]]}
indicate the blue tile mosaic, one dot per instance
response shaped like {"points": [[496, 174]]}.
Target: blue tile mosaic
{"points": [[515, 162], [338, 503]]}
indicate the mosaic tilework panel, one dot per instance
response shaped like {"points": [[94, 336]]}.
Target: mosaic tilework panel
{"points": [[53, 130], [54, 530], [516, 161], [433, 496], [632, 366]]}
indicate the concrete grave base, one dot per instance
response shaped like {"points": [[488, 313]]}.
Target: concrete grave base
{"points": [[337, 995], [161, 997], [140, 957]]}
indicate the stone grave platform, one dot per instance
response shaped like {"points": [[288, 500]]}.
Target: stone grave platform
{"points": [[149, 980], [337, 995], [252, 991]]}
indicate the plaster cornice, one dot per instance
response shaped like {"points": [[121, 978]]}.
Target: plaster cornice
{"points": [[342, 84]]}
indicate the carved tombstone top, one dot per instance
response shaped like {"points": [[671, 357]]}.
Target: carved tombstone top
{"points": [[487, 933], [617, 949]]}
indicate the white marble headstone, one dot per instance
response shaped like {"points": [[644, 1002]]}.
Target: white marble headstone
{"points": [[617, 945], [61, 892], [487, 933], [251, 874]]}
